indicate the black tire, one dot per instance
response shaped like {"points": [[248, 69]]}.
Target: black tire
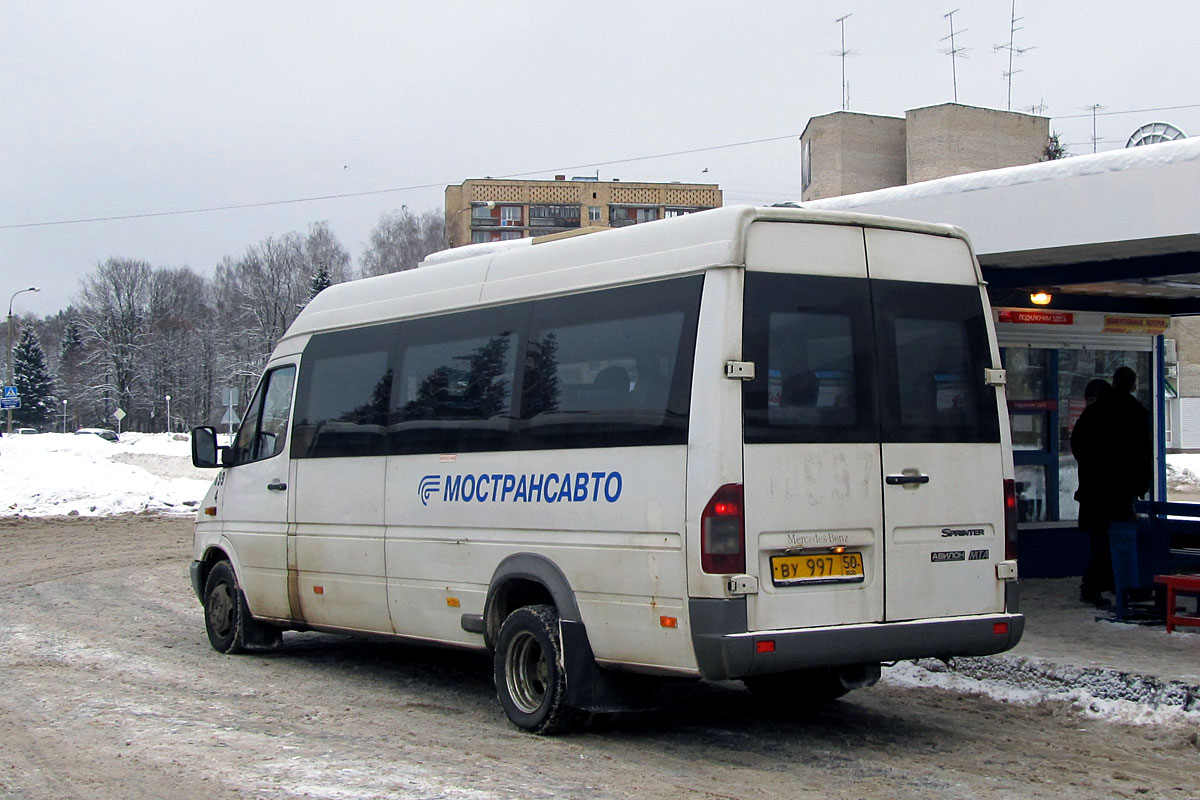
{"points": [[528, 668], [227, 618]]}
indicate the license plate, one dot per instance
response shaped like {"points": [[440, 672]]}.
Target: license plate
{"points": [[817, 568]]}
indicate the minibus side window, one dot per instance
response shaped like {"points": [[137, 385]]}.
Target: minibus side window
{"points": [[342, 401], [264, 428], [611, 368], [453, 388], [933, 348], [810, 340]]}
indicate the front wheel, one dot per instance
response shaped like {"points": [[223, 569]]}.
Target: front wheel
{"points": [[528, 666], [227, 618]]}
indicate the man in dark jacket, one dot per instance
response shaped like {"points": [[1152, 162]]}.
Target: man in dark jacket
{"points": [[1113, 445]]}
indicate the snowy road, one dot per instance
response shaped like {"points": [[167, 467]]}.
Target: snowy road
{"points": [[110, 690]]}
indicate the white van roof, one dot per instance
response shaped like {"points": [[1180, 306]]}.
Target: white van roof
{"points": [[661, 249]]}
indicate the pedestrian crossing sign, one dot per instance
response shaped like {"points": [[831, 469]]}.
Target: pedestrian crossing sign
{"points": [[10, 393]]}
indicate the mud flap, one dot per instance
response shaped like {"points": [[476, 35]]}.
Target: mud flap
{"points": [[592, 688]]}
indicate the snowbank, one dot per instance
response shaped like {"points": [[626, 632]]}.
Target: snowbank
{"points": [[55, 474], [1112, 695]]}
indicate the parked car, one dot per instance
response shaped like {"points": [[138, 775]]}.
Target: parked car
{"points": [[23, 431], [103, 433]]}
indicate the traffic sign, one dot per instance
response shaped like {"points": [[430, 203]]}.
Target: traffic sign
{"points": [[11, 393], [10, 403], [119, 414], [231, 418]]}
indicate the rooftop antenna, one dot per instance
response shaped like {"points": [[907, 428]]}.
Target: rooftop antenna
{"points": [[843, 53], [1094, 108], [955, 53], [1038, 108], [1012, 49]]}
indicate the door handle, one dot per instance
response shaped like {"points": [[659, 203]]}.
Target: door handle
{"points": [[277, 487], [902, 480]]}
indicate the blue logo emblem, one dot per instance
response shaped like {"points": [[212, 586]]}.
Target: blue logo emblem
{"points": [[429, 486]]}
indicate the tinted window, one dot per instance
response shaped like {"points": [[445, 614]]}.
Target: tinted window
{"points": [[810, 338], [341, 405], [933, 350], [264, 428], [612, 368], [453, 390]]}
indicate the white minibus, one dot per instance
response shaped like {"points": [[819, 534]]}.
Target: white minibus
{"points": [[764, 444]]}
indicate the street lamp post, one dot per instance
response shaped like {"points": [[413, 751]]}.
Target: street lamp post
{"points": [[168, 413], [490, 204], [64, 416], [9, 378]]}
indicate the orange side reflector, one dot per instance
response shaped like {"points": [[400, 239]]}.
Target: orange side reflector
{"points": [[1000, 628], [668, 622], [210, 510], [765, 646], [318, 590], [452, 602], [839, 549]]}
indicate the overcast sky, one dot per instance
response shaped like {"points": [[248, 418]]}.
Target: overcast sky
{"points": [[121, 108]]}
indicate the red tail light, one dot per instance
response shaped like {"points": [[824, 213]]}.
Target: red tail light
{"points": [[1010, 520], [723, 532]]}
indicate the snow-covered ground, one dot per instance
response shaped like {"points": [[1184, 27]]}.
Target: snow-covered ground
{"points": [[55, 474]]}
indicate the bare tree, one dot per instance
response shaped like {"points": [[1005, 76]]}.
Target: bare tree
{"points": [[175, 361], [114, 307], [401, 239]]}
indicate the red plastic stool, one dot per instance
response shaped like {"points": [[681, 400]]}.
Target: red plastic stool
{"points": [[1186, 584]]}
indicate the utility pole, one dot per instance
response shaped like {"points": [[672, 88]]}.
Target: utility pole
{"points": [[955, 53], [1094, 108]]}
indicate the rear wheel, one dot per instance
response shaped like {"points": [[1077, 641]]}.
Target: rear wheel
{"points": [[528, 666], [227, 618]]}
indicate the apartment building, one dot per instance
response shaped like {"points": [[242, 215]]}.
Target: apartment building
{"points": [[491, 210]]}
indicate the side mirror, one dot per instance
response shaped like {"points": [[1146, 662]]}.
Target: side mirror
{"points": [[204, 448]]}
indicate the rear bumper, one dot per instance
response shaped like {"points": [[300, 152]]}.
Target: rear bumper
{"points": [[723, 653]]}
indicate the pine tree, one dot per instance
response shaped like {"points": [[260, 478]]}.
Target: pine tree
{"points": [[34, 383], [1054, 149], [319, 280]]}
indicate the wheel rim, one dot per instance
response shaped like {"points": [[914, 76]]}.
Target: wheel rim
{"points": [[527, 672], [220, 609]]}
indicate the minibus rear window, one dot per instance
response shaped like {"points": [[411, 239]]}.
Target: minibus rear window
{"points": [[810, 340], [933, 348]]}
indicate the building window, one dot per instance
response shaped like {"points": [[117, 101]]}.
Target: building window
{"points": [[554, 216], [478, 237], [593, 213], [510, 215], [647, 214], [507, 235], [481, 215], [806, 164]]}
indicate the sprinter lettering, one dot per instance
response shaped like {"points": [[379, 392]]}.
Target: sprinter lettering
{"points": [[545, 487]]}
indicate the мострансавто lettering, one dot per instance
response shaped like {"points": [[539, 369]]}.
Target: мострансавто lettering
{"points": [[547, 487]]}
